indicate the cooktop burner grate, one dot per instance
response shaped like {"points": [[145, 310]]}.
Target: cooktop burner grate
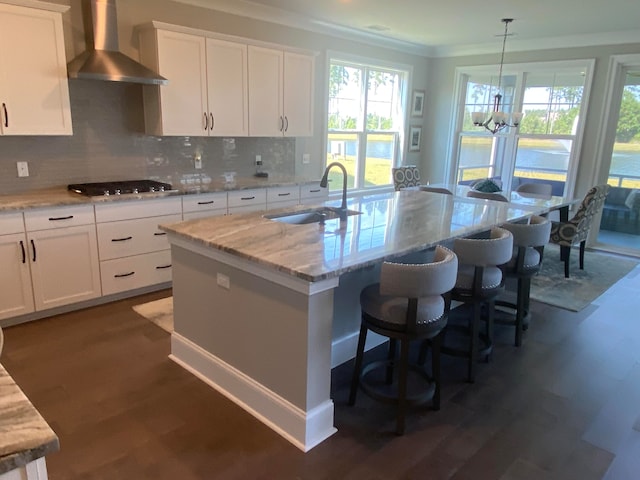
{"points": [[119, 188]]}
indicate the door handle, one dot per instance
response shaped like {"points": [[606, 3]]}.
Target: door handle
{"points": [[163, 266], [33, 247], [55, 219], [206, 121], [212, 122], [123, 239], [286, 120], [24, 254], [120, 275], [6, 115]]}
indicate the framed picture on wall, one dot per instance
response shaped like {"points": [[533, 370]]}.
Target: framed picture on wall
{"points": [[415, 135], [417, 103]]}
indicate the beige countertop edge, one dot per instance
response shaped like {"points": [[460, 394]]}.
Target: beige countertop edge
{"points": [[24, 434], [60, 196]]}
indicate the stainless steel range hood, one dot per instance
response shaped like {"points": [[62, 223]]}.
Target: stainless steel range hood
{"points": [[102, 60]]}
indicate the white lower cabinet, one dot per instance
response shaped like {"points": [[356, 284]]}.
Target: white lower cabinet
{"points": [[64, 266], [134, 252], [246, 201], [313, 193], [16, 296], [281, 197], [204, 205]]}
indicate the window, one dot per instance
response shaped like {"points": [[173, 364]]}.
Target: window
{"points": [[544, 147], [365, 122]]}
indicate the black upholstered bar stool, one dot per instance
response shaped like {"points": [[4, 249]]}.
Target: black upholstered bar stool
{"points": [[408, 304], [479, 281], [529, 240]]}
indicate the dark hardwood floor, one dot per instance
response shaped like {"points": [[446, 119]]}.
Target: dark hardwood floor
{"points": [[566, 405]]}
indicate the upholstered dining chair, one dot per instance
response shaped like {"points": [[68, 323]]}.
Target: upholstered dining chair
{"points": [[408, 304], [407, 176], [576, 229], [487, 196], [478, 283], [529, 240], [427, 188], [542, 189]]}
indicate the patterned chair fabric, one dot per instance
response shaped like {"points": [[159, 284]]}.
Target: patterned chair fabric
{"points": [[576, 229], [407, 176]]}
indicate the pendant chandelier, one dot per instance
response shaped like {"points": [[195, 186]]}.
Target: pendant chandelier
{"points": [[498, 119]]}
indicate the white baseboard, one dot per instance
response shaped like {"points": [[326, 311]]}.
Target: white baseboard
{"points": [[303, 429]]}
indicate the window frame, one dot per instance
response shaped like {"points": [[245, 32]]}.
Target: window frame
{"points": [[511, 135], [406, 74]]}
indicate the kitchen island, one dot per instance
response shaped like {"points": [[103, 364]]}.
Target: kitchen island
{"points": [[263, 309]]}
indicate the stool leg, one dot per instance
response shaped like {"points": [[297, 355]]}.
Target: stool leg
{"points": [[435, 369], [391, 355], [355, 380], [582, 246], [402, 385], [473, 343], [520, 310]]}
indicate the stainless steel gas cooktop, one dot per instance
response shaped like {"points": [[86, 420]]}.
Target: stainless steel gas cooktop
{"points": [[123, 187]]}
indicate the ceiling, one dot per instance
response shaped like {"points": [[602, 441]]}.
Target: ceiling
{"points": [[452, 27]]}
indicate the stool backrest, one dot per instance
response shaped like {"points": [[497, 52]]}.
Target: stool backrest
{"points": [[492, 251], [533, 234], [420, 280]]}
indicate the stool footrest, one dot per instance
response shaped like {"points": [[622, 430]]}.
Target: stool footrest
{"points": [[377, 392]]}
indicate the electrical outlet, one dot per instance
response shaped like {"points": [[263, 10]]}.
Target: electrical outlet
{"points": [[23, 169], [223, 281], [197, 161], [306, 158], [258, 160]]}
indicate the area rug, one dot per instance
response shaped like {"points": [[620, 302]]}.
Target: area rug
{"points": [[159, 312], [600, 272]]}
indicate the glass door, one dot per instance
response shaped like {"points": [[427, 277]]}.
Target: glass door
{"points": [[620, 221]]}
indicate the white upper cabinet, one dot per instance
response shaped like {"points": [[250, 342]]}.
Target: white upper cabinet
{"points": [[280, 93], [207, 90], [34, 90]]}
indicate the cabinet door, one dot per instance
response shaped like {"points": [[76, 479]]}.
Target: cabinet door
{"points": [[64, 266], [227, 88], [183, 102], [34, 91], [265, 92], [16, 297], [298, 95]]}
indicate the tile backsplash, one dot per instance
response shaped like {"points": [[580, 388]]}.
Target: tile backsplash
{"points": [[109, 143]]}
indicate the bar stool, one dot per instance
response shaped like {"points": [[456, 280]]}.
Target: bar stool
{"points": [[408, 304], [529, 240], [479, 281]]}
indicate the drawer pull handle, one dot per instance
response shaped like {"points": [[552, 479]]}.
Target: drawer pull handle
{"points": [[159, 234], [163, 266], [206, 203], [55, 219], [24, 254], [120, 275], [123, 239], [314, 191], [33, 247], [247, 198], [284, 194]]}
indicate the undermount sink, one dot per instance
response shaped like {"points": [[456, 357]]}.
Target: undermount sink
{"points": [[314, 215]]}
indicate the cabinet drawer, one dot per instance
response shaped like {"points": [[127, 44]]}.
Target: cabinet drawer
{"points": [[114, 211], [283, 194], [58, 217], [208, 201], [139, 271], [255, 197], [11, 223], [133, 237], [204, 213]]}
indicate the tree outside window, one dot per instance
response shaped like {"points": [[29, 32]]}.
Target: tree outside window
{"points": [[365, 118]]}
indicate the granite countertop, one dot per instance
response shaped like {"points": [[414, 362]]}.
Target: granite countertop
{"points": [[390, 225], [24, 435], [60, 196]]}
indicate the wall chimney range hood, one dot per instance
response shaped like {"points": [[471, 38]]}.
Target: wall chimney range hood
{"points": [[102, 59]]}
